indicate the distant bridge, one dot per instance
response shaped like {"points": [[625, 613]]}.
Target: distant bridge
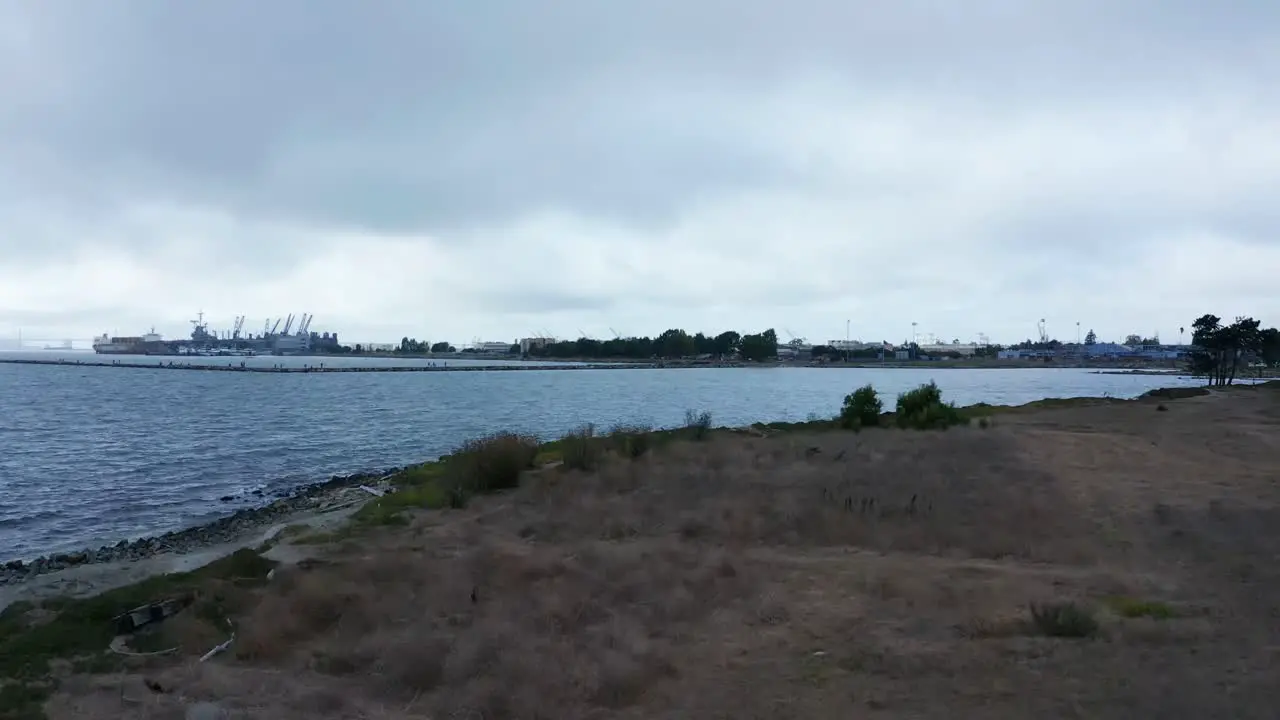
{"points": [[36, 343]]}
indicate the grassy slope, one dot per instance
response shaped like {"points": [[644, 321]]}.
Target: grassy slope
{"points": [[33, 639]]}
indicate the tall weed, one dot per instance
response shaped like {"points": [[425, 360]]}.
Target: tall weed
{"points": [[581, 449], [490, 463]]}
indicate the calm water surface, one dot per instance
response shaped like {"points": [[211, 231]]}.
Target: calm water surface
{"points": [[93, 455]]}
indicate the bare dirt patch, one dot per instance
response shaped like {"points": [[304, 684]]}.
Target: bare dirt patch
{"points": [[879, 574]]}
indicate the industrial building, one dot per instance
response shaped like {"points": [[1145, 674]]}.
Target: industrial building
{"points": [[529, 343], [290, 339], [958, 348], [495, 347]]}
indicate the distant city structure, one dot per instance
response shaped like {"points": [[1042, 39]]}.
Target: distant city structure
{"points": [[957, 347], [853, 345], [290, 339], [492, 347], [1100, 351], [530, 343], [292, 335]]}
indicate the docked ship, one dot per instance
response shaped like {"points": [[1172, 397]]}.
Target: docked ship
{"points": [[274, 340], [146, 344]]}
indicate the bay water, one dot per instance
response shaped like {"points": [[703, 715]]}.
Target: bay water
{"points": [[93, 455]]}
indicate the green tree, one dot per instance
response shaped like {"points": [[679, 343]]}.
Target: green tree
{"points": [[442, 347], [675, 343], [1091, 338], [759, 347], [410, 345], [726, 343], [1269, 346], [1218, 349]]}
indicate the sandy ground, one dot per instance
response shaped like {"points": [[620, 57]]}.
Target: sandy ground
{"points": [[886, 574]]}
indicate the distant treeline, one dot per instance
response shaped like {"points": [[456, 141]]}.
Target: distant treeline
{"points": [[673, 343], [413, 346], [1219, 349]]}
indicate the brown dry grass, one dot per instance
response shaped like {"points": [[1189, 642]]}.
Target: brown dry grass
{"points": [[883, 574]]}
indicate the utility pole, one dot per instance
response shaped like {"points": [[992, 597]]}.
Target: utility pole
{"points": [[846, 342], [1077, 332]]}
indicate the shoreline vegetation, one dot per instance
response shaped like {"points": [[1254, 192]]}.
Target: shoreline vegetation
{"points": [[621, 543]]}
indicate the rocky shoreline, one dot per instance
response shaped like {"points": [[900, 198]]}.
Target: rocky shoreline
{"points": [[314, 497]]}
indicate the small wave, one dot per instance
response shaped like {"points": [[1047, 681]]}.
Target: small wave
{"points": [[34, 519]]}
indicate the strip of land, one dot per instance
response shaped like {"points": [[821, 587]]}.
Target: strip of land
{"points": [[318, 367], [1094, 559]]}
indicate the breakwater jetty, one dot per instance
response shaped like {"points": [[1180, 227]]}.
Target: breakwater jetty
{"points": [[321, 367]]}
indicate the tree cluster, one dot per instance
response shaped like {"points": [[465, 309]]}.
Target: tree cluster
{"points": [[413, 346], [821, 351], [1133, 339], [1219, 350], [1037, 345], [672, 343]]}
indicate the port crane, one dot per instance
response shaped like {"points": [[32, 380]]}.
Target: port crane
{"points": [[796, 341]]}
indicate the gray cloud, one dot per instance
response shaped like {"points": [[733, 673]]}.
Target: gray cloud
{"points": [[435, 115], [231, 138]]}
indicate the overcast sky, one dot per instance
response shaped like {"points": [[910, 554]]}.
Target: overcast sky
{"points": [[460, 169]]}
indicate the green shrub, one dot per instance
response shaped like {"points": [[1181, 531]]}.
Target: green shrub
{"points": [[631, 441], [489, 464], [1063, 620], [698, 424], [1134, 608], [580, 449], [416, 475], [923, 409], [862, 408], [387, 510]]}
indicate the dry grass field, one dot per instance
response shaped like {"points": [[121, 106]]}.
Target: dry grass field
{"points": [[881, 574]]}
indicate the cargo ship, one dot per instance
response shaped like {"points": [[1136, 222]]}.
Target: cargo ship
{"points": [[146, 344]]}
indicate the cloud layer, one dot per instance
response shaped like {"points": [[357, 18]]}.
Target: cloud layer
{"points": [[447, 171]]}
